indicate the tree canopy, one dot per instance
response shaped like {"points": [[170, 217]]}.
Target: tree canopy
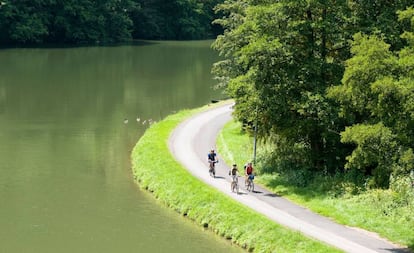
{"points": [[87, 21], [323, 80]]}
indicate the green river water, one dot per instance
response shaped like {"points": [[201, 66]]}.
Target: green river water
{"points": [[65, 173]]}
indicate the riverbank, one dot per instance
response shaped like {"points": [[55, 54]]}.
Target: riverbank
{"points": [[156, 170]]}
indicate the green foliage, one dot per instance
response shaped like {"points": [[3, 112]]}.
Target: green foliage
{"points": [[375, 151], [282, 60], [24, 21], [106, 21], [372, 61], [407, 16], [376, 99], [379, 17], [177, 19], [287, 157], [85, 21]]}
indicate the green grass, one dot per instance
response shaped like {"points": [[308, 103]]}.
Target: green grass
{"points": [[373, 210], [157, 171], [225, 145]]}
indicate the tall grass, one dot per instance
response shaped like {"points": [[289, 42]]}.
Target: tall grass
{"points": [[157, 171], [382, 211]]}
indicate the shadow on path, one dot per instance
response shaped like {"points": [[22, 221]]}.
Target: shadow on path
{"points": [[273, 195]]}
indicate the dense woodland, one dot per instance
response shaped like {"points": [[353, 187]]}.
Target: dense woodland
{"points": [[24, 22], [330, 84]]}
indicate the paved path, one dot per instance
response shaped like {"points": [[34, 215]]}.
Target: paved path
{"points": [[192, 140]]}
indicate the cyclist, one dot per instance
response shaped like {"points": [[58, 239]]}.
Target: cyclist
{"points": [[248, 172], [234, 172], [211, 157]]}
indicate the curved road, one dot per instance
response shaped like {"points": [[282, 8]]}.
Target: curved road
{"points": [[190, 143]]}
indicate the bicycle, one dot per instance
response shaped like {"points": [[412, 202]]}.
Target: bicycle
{"points": [[212, 169], [235, 184], [249, 183]]}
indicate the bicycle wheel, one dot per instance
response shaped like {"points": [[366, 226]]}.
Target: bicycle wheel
{"points": [[212, 171], [250, 186]]}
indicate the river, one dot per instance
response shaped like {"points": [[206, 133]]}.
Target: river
{"points": [[69, 118]]}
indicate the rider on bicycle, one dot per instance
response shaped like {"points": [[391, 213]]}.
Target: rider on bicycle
{"points": [[212, 158], [234, 173], [248, 172]]}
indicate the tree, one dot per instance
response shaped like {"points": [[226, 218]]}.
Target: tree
{"points": [[376, 100], [177, 19], [379, 17], [83, 21], [284, 55], [24, 21], [283, 61]]}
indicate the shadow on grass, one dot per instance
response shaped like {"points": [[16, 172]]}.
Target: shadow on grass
{"points": [[306, 192]]}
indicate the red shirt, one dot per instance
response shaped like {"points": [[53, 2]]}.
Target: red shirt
{"points": [[249, 170]]}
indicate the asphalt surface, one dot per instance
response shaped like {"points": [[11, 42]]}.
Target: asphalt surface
{"points": [[190, 143]]}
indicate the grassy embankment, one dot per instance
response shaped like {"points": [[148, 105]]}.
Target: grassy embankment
{"points": [[157, 171], [373, 210]]}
